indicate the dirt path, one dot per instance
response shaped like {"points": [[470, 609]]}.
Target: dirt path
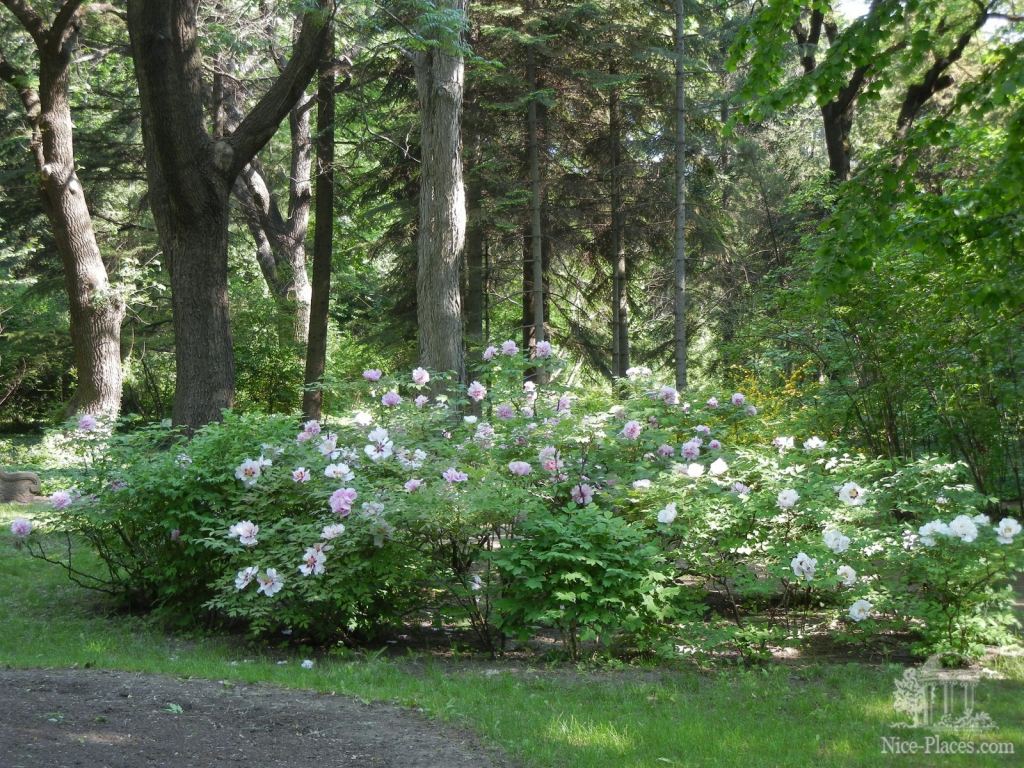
{"points": [[97, 719]]}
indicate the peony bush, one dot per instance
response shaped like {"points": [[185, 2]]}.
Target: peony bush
{"points": [[515, 510]]}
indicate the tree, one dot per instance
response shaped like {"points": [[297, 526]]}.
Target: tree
{"points": [[95, 307], [893, 44], [190, 179], [679, 262], [323, 238], [442, 221]]}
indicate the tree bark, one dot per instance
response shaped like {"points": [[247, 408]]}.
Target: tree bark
{"points": [[617, 249], [190, 179], [679, 304], [536, 201], [442, 220], [475, 237], [323, 239], [96, 309]]}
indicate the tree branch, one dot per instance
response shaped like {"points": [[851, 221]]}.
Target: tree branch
{"points": [[29, 19], [257, 128], [935, 79]]}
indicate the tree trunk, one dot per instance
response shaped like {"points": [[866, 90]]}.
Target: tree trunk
{"points": [[536, 202], [96, 310], [680, 233], [617, 250], [442, 220], [475, 238], [190, 180], [323, 239]]}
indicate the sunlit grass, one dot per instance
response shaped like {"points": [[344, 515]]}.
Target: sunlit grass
{"points": [[813, 715]]}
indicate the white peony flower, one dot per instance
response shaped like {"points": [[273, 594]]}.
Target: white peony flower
{"points": [[929, 531], [695, 470], [307, 664], [339, 472], [852, 494], [847, 575], [963, 528], [787, 499], [313, 560], [860, 610], [718, 467], [642, 484], [249, 471], [668, 514], [245, 577], [803, 566], [245, 531], [1006, 530], [362, 419], [332, 531], [836, 541], [270, 583]]}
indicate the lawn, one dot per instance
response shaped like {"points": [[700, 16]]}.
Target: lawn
{"points": [[821, 714]]}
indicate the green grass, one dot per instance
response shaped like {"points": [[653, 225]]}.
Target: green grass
{"points": [[814, 715]]}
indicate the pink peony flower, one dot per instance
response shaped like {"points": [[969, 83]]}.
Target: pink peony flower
{"points": [[738, 399], [632, 429], [691, 449], [666, 450], [712, 402], [301, 475], [476, 391], [309, 430], [21, 527], [421, 400], [420, 376], [519, 468], [61, 499], [751, 410], [543, 349], [391, 399], [715, 445], [582, 494], [669, 395], [489, 353], [246, 576], [505, 411], [452, 475], [87, 423], [413, 485], [509, 348], [341, 501], [372, 374]]}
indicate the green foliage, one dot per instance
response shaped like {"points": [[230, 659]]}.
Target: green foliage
{"points": [[589, 574], [538, 508]]}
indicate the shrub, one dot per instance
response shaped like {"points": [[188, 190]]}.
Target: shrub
{"points": [[509, 507]]}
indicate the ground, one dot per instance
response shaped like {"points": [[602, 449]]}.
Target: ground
{"points": [[825, 711], [93, 718]]}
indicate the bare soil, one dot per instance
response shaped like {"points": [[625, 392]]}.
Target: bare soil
{"points": [[100, 719]]}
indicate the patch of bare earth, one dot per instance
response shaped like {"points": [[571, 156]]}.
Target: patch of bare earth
{"points": [[99, 719]]}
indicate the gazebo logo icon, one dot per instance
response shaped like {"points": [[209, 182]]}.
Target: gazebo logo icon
{"points": [[939, 698]]}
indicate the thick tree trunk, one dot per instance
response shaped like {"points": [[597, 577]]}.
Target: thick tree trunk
{"points": [[190, 180], [617, 249], [680, 232], [442, 222], [96, 309], [323, 239]]}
